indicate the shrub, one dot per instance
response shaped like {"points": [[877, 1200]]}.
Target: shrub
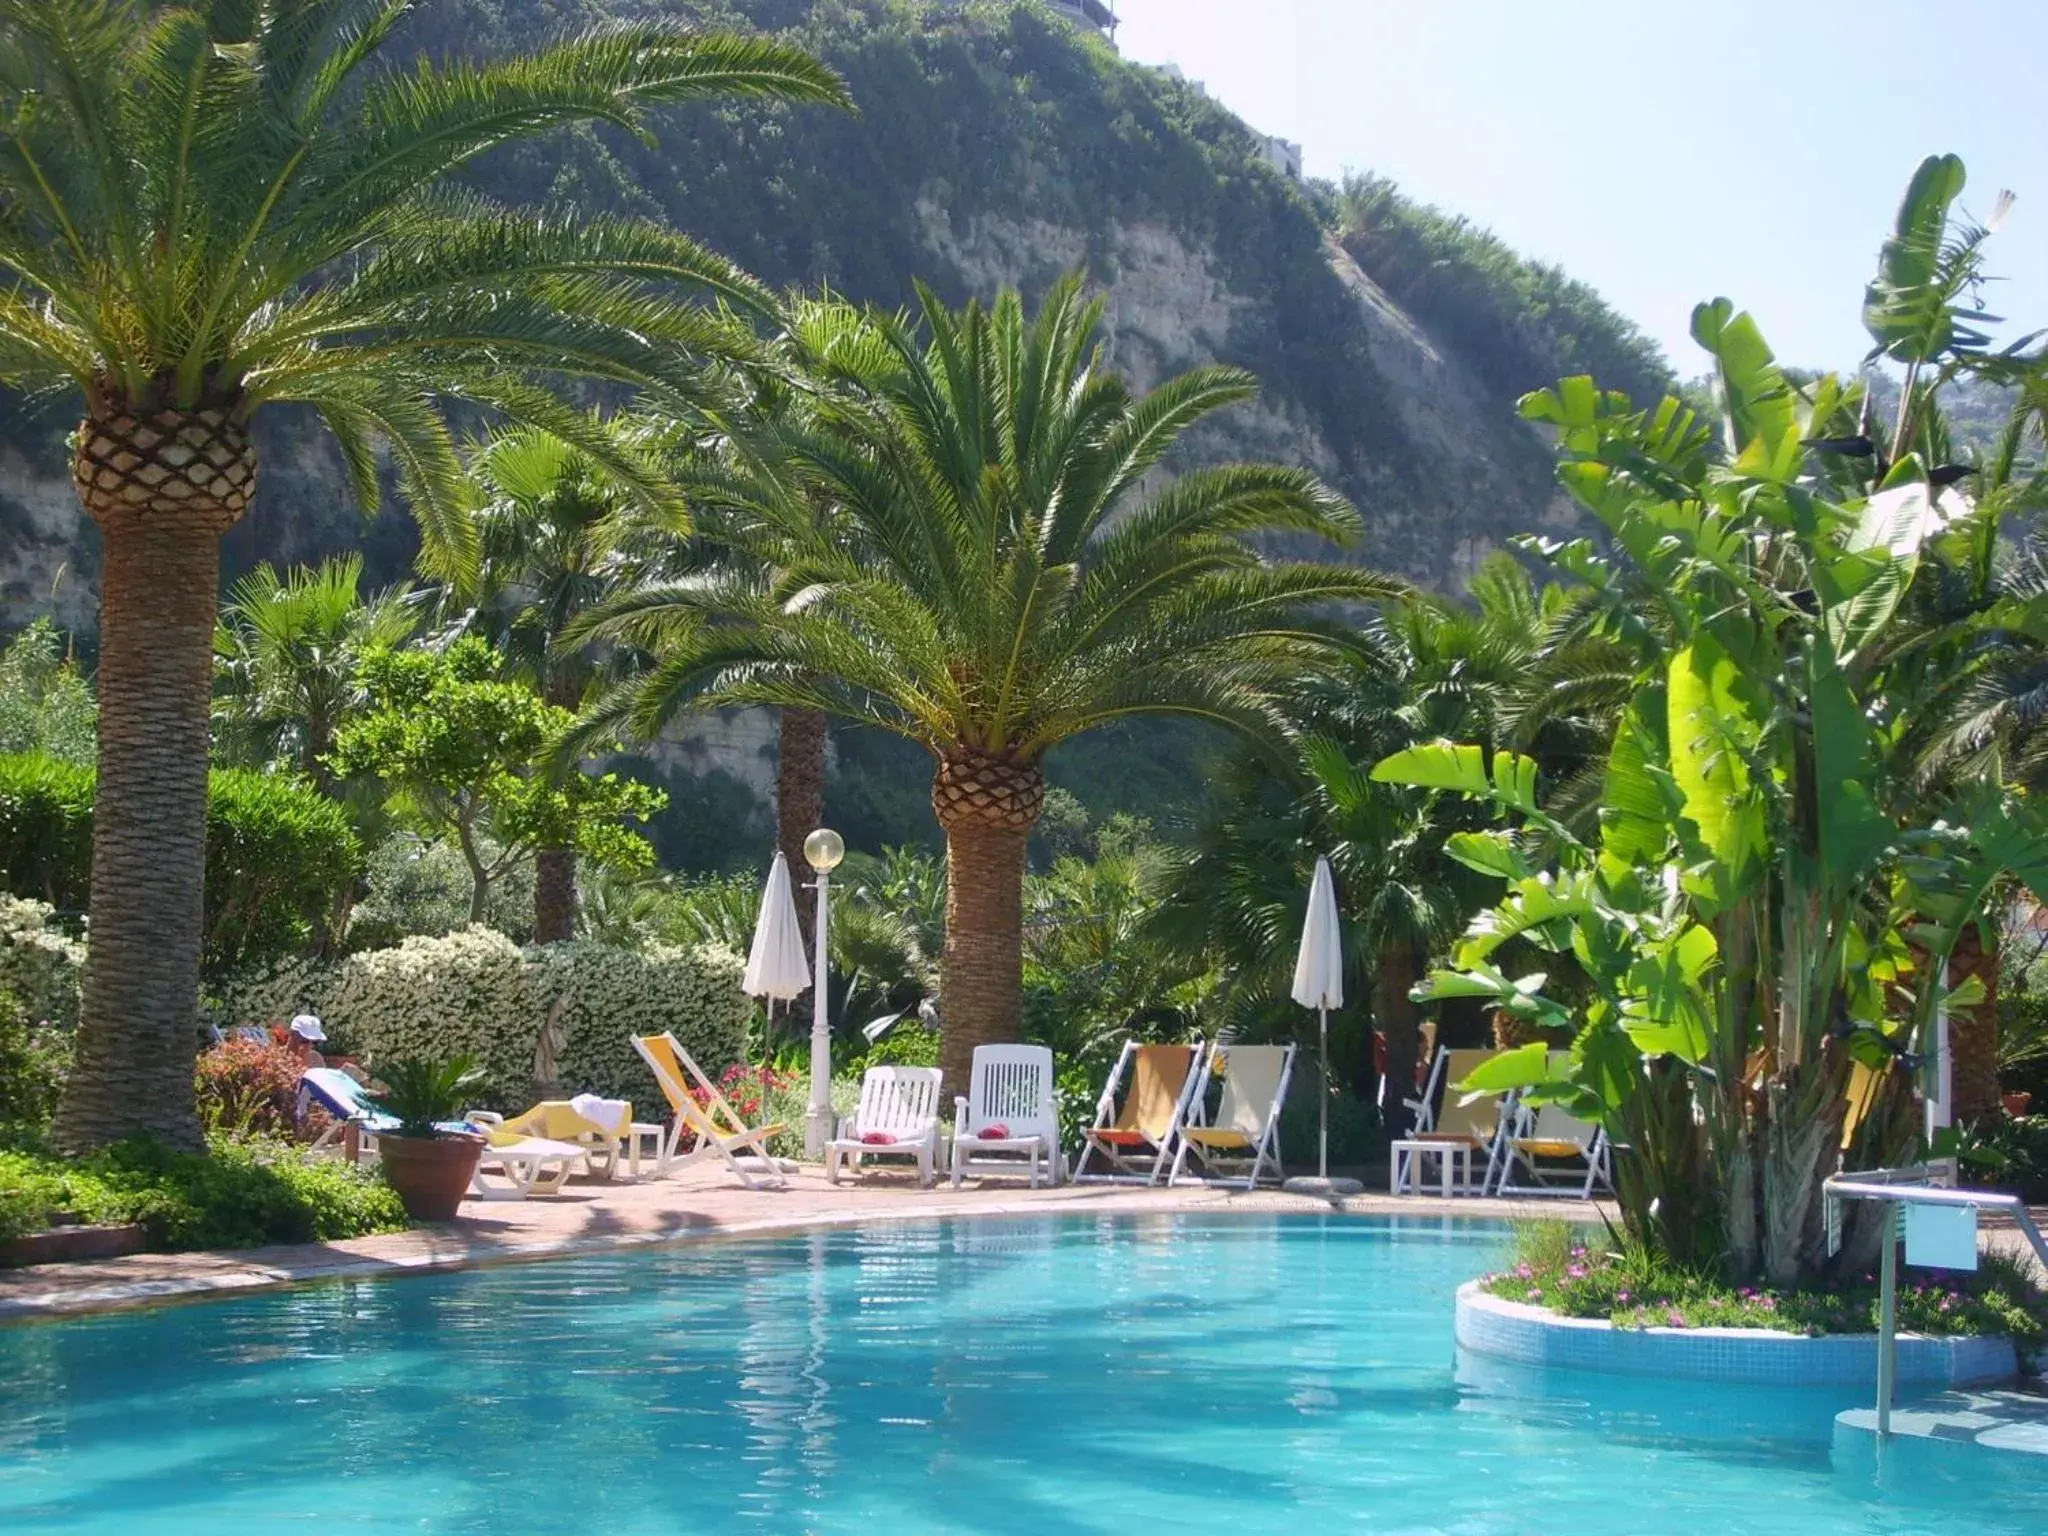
{"points": [[476, 992], [241, 1194], [34, 1059], [248, 1088], [43, 966], [278, 853]]}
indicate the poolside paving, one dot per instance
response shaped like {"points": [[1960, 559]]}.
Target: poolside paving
{"points": [[696, 1203]]}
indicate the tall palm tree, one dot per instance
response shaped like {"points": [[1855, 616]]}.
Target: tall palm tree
{"points": [[212, 207], [286, 651], [993, 576]]}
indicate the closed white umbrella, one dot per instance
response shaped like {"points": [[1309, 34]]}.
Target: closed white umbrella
{"points": [[775, 965], [1319, 984]]}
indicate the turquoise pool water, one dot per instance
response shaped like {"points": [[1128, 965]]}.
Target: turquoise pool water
{"points": [[1244, 1374]]}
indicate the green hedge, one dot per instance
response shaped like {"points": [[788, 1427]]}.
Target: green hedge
{"points": [[278, 853], [476, 991], [240, 1195]]}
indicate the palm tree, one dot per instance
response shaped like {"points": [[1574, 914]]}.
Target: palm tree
{"points": [[551, 530], [285, 656], [1425, 669], [213, 207], [992, 576]]}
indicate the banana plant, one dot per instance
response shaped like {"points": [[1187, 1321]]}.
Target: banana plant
{"points": [[1774, 891]]}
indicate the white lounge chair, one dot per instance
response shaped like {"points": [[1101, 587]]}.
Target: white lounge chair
{"points": [[1135, 1143], [1009, 1123], [1240, 1144], [898, 1117], [1467, 1136], [718, 1128], [515, 1165]]}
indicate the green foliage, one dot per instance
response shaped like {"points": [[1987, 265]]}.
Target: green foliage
{"points": [[475, 992], [278, 853], [238, 1195], [1580, 1272], [1517, 323], [421, 1091], [45, 705], [35, 1058], [232, 207], [421, 889], [286, 656], [2016, 1156], [1775, 870], [466, 753]]}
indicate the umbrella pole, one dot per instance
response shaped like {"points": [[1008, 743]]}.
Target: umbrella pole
{"points": [[1323, 1102]]}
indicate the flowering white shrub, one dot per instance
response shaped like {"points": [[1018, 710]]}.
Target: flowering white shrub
{"points": [[39, 963], [477, 991]]}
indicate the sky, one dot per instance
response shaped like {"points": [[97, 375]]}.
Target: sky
{"points": [[1663, 153]]}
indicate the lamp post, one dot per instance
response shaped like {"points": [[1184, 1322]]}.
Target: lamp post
{"points": [[823, 850]]}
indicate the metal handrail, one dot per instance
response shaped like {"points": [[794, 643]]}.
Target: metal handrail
{"points": [[1896, 1187]]}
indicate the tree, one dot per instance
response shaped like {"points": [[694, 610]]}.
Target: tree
{"points": [[465, 751], [45, 704], [1774, 892], [287, 652], [1428, 667], [214, 207], [549, 527], [993, 577]]}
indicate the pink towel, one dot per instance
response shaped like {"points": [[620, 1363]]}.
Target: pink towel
{"points": [[993, 1133], [877, 1139]]}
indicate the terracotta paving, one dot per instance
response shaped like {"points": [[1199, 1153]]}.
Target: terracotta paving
{"points": [[692, 1204]]}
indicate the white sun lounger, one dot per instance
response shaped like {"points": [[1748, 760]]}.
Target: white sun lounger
{"points": [[1548, 1151], [1241, 1145], [897, 1103], [1010, 1090], [514, 1165]]}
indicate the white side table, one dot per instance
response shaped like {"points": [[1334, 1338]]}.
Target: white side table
{"points": [[1405, 1166], [642, 1140]]}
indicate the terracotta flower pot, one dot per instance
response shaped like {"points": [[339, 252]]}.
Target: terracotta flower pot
{"points": [[430, 1173], [2016, 1103]]}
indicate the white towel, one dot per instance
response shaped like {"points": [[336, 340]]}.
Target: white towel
{"points": [[611, 1112]]}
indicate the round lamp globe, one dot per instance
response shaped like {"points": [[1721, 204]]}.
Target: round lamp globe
{"points": [[823, 850]]}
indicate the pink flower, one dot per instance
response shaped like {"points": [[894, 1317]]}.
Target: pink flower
{"points": [[1576, 1272], [1674, 1318], [1621, 1296], [1535, 1293]]}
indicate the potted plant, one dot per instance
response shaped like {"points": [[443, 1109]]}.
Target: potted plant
{"points": [[429, 1157]]}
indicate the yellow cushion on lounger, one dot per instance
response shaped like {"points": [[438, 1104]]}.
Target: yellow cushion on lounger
{"points": [[1536, 1148], [1111, 1137], [1207, 1137]]}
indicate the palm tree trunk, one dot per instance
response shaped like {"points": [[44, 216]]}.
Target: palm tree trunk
{"points": [[986, 805], [1398, 969], [1973, 1031], [554, 869], [163, 488], [799, 799]]}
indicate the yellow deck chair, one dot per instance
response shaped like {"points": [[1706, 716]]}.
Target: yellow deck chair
{"points": [[1241, 1143], [1863, 1088], [716, 1124], [1137, 1143]]}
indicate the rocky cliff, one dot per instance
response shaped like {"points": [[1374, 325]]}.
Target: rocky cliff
{"points": [[997, 145]]}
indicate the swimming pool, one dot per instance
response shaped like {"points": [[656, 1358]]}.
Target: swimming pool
{"points": [[1241, 1374]]}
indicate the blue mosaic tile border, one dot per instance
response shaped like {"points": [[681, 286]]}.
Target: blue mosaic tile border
{"points": [[1525, 1335]]}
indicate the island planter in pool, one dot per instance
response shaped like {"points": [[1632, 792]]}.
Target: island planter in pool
{"points": [[1541, 1339]]}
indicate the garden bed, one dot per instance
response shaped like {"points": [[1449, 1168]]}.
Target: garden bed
{"points": [[1574, 1303]]}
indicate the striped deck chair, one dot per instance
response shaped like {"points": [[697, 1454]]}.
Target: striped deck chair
{"points": [[1240, 1144], [1136, 1144], [717, 1125]]}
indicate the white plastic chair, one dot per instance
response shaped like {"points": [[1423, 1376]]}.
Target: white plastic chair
{"points": [[897, 1103], [1548, 1151], [1010, 1087]]}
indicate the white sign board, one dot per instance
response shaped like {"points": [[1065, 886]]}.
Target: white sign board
{"points": [[1941, 1236]]}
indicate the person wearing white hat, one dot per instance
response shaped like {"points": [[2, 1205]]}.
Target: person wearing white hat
{"points": [[304, 1034]]}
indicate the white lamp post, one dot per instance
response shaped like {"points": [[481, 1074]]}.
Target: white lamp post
{"points": [[823, 850]]}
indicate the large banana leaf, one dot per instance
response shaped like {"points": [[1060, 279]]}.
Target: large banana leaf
{"points": [[1908, 307], [1713, 726]]}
